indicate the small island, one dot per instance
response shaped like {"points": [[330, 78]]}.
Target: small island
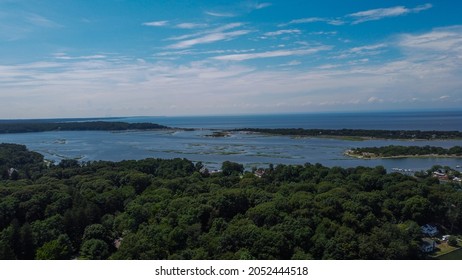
{"points": [[25, 127], [219, 134], [393, 151]]}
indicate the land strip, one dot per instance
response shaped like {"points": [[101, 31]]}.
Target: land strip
{"points": [[359, 134], [25, 127], [387, 152]]}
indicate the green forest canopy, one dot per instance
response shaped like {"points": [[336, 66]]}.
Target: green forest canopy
{"points": [[167, 209], [398, 151], [48, 125], [361, 133], [22, 127]]}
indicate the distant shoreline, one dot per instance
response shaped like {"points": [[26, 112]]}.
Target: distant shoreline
{"points": [[31, 127], [358, 156], [396, 152], [358, 134], [342, 134]]}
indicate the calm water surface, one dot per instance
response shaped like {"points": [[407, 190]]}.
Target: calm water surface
{"points": [[451, 120], [249, 149]]}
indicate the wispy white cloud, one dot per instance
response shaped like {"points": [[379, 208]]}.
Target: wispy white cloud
{"points": [[218, 29], [270, 54], [226, 27], [331, 21], [328, 66], [306, 20], [324, 33], [175, 54], [19, 25], [426, 73], [156, 23], [217, 14], [189, 25], [259, 6], [447, 39], [65, 56], [185, 25], [367, 48], [237, 9], [291, 63], [41, 21], [336, 22], [73, 88], [209, 38], [420, 8], [374, 99], [221, 33], [377, 14], [282, 32], [363, 16]]}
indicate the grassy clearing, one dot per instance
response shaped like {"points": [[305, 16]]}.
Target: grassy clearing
{"points": [[446, 252], [454, 255]]}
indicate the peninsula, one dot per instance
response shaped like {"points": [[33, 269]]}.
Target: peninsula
{"points": [[24, 127], [359, 134], [393, 151]]}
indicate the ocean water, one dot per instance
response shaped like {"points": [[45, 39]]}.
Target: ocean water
{"points": [[436, 120], [252, 150]]}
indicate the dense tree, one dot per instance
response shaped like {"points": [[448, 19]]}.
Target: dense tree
{"points": [[97, 231], [452, 241], [229, 168], [40, 126], [7, 242], [166, 209], [57, 249], [358, 133], [403, 151], [94, 249]]}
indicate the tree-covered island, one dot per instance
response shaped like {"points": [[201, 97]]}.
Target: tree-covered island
{"points": [[174, 209], [359, 134], [393, 151], [348, 134], [24, 127]]}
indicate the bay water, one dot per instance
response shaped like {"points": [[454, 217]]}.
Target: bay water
{"points": [[252, 150]]}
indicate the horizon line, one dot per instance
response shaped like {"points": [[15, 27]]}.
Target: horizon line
{"points": [[420, 110]]}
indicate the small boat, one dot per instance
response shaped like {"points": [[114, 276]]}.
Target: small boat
{"points": [[458, 166]]}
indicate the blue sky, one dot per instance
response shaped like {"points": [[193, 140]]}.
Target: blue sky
{"points": [[74, 58]]}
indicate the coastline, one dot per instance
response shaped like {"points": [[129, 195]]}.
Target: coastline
{"points": [[356, 134], [350, 153]]}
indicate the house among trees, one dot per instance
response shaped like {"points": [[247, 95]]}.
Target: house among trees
{"points": [[440, 175], [259, 172], [164, 210], [13, 173], [429, 230], [428, 245]]}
